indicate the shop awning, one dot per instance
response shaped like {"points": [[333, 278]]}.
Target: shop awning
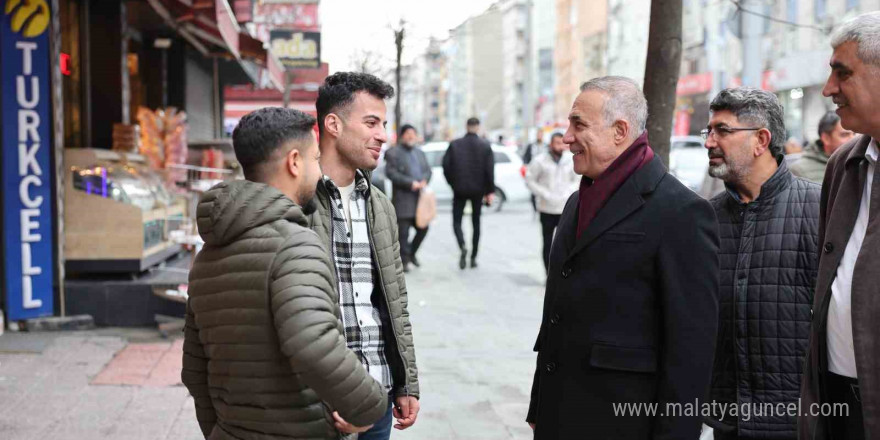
{"points": [[212, 28]]}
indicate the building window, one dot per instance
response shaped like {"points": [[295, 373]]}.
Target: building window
{"points": [[852, 4], [820, 10], [792, 11]]}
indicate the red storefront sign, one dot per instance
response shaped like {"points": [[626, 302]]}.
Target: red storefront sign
{"points": [[695, 84]]}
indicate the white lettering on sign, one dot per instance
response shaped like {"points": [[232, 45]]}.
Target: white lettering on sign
{"points": [[25, 195], [296, 47], [28, 226], [28, 122], [27, 159], [28, 170], [26, 49], [21, 91]]}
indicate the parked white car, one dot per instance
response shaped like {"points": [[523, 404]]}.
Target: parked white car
{"points": [[688, 160], [509, 182]]}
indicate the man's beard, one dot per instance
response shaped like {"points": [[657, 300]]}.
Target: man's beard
{"points": [[310, 206], [728, 171], [353, 154]]}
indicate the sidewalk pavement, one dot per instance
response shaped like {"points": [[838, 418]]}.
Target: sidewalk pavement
{"points": [[473, 329]]}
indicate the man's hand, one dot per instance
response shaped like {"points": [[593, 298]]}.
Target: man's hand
{"points": [[532, 425], [490, 198], [406, 410], [417, 185], [348, 428]]}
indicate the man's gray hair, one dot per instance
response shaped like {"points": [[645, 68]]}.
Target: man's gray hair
{"points": [[757, 109], [865, 31], [623, 100]]}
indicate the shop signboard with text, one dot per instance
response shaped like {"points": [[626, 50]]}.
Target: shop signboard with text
{"points": [[296, 49], [27, 169]]}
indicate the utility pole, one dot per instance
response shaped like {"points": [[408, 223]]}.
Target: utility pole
{"points": [[661, 72], [398, 41], [752, 33]]}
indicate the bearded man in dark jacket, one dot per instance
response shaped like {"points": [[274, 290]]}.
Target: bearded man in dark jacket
{"points": [[769, 222]]}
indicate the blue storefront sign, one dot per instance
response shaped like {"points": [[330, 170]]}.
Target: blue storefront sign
{"points": [[27, 169]]}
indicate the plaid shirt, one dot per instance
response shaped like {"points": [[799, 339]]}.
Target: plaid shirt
{"points": [[354, 270]]}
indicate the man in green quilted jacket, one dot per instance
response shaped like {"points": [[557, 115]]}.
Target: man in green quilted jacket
{"points": [[265, 353], [358, 226]]}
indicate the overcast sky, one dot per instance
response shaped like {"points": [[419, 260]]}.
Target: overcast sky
{"points": [[352, 27]]}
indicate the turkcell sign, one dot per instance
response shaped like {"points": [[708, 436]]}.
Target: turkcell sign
{"points": [[27, 182]]}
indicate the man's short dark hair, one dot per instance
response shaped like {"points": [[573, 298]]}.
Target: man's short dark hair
{"points": [[338, 90], [828, 123], [757, 108], [260, 133], [407, 127], [472, 122], [554, 136]]}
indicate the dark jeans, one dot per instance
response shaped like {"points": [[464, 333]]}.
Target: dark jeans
{"points": [[381, 430], [458, 204], [845, 390], [548, 226], [408, 248]]}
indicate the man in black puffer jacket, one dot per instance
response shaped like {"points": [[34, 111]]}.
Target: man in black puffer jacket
{"points": [[469, 168], [769, 221]]}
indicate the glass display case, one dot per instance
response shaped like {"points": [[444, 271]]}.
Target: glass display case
{"points": [[117, 213]]}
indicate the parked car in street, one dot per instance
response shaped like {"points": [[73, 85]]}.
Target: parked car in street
{"points": [[509, 183], [688, 161]]}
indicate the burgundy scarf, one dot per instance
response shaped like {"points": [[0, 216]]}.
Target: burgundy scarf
{"points": [[594, 193]]}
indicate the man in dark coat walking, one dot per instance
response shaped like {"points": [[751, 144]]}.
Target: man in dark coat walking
{"points": [[843, 362], [769, 220], [407, 168], [469, 168], [631, 306]]}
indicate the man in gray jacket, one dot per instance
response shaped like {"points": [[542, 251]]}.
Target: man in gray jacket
{"points": [[769, 221], [832, 135], [264, 350], [409, 172], [359, 229]]}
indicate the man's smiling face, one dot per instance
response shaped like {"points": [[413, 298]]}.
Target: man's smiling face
{"points": [[854, 86]]}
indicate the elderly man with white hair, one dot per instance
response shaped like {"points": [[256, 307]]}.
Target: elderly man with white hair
{"points": [[841, 381], [631, 306]]}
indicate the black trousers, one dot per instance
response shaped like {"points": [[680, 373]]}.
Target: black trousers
{"points": [[548, 226], [458, 204], [844, 391], [409, 248]]}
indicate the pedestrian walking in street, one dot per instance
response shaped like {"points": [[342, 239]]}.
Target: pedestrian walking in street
{"points": [[264, 354], [832, 136], [469, 168], [407, 168], [552, 180], [631, 305], [769, 222], [532, 151], [843, 361], [359, 228]]}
